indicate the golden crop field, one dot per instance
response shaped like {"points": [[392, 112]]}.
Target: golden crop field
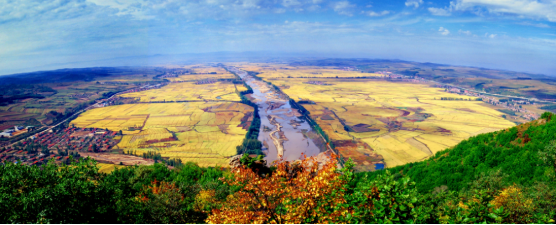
{"points": [[274, 71], [201, 69], [190, 91], [201, 72], [198, 77], [402, 122], [107, 168], [206, 133]]}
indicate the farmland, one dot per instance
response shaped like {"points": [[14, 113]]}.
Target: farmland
{"points": [[107, 168], [401, 122], [190, 91], [206, 133], [52, 95], [491, 80], [192, 113]]}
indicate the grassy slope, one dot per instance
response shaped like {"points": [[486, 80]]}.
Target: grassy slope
{"points": [[503, 150]]}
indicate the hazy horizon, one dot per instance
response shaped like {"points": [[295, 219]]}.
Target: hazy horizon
{"points": [[515, 35]]}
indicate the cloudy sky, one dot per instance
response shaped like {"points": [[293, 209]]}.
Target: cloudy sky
{"points": [[505, 34]]}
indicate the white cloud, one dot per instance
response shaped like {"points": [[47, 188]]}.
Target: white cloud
{"points": [[29, 9], [343, 8], [443, 31], [539, 25], [203, 9], [290, 3], [492, 35], [537, 9], [466, 32], [383, 13], [439, 11], [414, 3]]}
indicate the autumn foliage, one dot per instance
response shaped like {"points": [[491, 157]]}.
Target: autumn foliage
{"points": [[293, 193]]}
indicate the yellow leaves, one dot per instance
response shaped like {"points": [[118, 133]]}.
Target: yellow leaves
{"points": [[519, 206], [293, 193], [204, 199], [463, 206]]}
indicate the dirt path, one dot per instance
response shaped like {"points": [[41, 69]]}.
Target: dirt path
{"points": [[279, 143], [127, 160]]}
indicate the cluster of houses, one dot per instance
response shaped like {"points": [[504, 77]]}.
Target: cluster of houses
{"points": [[84, 95], [206, 81], [17, 130], [58, 145], [142, 88], [347, 68], [175, 72], [113, 83], [317, 83], [513, 105]]}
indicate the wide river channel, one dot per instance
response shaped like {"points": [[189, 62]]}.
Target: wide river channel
{"points": [[283, 132]]}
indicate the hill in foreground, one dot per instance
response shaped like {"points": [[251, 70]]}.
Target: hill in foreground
{"points": [[500, 177], [513, 151]]}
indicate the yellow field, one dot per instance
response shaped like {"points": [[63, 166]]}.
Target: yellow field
{"points": [[274, 71], [107, 168], [402, 122], [201, 69], [206, 133], [188, 91], [197, 77], [201, 72]]}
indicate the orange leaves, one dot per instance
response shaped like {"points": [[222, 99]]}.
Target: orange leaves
{"points": [[294, 193], [159, 188]]}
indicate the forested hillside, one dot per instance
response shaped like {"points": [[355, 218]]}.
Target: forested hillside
{"points": [[515, 152], [502, 177]]}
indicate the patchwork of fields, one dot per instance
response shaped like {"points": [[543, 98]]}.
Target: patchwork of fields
{"points": [[206, 133], [196, 130], [374, 121], [286, 71], [402, 122], [190, 91]]}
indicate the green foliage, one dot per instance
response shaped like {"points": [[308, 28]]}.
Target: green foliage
{"points": [[547, 115], [78, 193], [386, 200], [251, 144], [503, 150], [490, 178], [60, 194], [548, 154]]}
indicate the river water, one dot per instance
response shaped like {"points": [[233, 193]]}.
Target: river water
{"points": [[282, 131]]}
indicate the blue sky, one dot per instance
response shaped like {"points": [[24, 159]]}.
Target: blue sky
{"points": [[505, 34]]}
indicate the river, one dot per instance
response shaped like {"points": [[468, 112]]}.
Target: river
{"points": [[282, 130]]}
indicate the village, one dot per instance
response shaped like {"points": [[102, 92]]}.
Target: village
{"points": [[509, 104], [17, 130], [174, 72], [59, 145]]}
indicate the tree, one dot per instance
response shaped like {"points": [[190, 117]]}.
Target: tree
{"points": [[294, 193], [548, 155]]}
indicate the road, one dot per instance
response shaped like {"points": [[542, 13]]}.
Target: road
{"points": [[72, 116]]}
